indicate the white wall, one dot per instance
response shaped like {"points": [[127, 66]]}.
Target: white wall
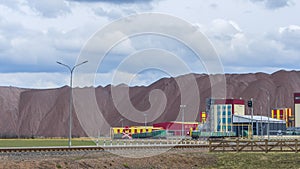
{"points": [[297, 115]]}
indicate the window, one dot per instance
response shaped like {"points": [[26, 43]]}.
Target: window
{"points": [[229, 128], [229, 120], [229, 113], [223, 120], [224, 107], [224, 113]]}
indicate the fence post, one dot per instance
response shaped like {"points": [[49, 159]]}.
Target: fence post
{"points": [[209, 142], [266, 145], [237, 145], [296, 145]]}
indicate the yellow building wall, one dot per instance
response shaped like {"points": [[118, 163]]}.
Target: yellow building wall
{"points": [[239, 109], [287, 113]]}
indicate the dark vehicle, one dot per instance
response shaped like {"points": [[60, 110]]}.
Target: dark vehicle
{"points": [[293, 131]]}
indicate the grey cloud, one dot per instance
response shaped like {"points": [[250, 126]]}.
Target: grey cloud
{"points": [[213, 5], [51, 8], [25, 50], [46, 8], [113, 13], [116, 1], [13, 4], [277, 49], [274, 4]]}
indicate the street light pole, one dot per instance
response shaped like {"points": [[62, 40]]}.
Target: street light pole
{"points": [[71, 97], [252, 132], [121, 120], [182, 106], [145, 119], [268, 109]]}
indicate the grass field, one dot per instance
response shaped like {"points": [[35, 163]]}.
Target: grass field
{"points": [[256, 160], [75, 142], [44, 142]]}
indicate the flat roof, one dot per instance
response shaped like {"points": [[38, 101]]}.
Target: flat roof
{"points": [[178, 122], [247, 118], [297, 98]]}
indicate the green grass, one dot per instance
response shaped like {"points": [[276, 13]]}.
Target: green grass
{"points": [[64, 142], [257, 160], [43, 142]]}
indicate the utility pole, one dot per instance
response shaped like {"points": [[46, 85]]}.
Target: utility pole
{"points": [[250, 105], [268, 112], [182, 106], [261, 129]]}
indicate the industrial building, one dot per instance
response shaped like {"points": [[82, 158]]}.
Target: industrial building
{"points": [[228, 115], [284, 114], [221, 111], [242, 125], [297, 109]]}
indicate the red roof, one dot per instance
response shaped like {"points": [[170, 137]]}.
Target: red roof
{"points": [[229, 101], [173, 125], [297, 98]]}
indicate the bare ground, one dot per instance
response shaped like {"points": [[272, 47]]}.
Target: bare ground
{"points": [[170, 159], [178, 159]]}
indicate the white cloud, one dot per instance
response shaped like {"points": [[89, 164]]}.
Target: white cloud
{"points": [[33, 80], [290, 37], [243, 50], [34, 34]]}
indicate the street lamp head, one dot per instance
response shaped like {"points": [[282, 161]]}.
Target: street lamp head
{"points": [[59, 62]]}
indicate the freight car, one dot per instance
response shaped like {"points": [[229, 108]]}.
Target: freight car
{"points": [[206, 135], [157, 134], [137, 132]]}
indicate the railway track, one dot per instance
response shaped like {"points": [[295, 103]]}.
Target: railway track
{"points": [[95, 148], [49, 149]]}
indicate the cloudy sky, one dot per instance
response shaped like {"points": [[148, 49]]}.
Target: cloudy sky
{"points": [[248, 35]]}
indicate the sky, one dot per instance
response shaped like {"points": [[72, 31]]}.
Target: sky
{"points": [[248, 35]]}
